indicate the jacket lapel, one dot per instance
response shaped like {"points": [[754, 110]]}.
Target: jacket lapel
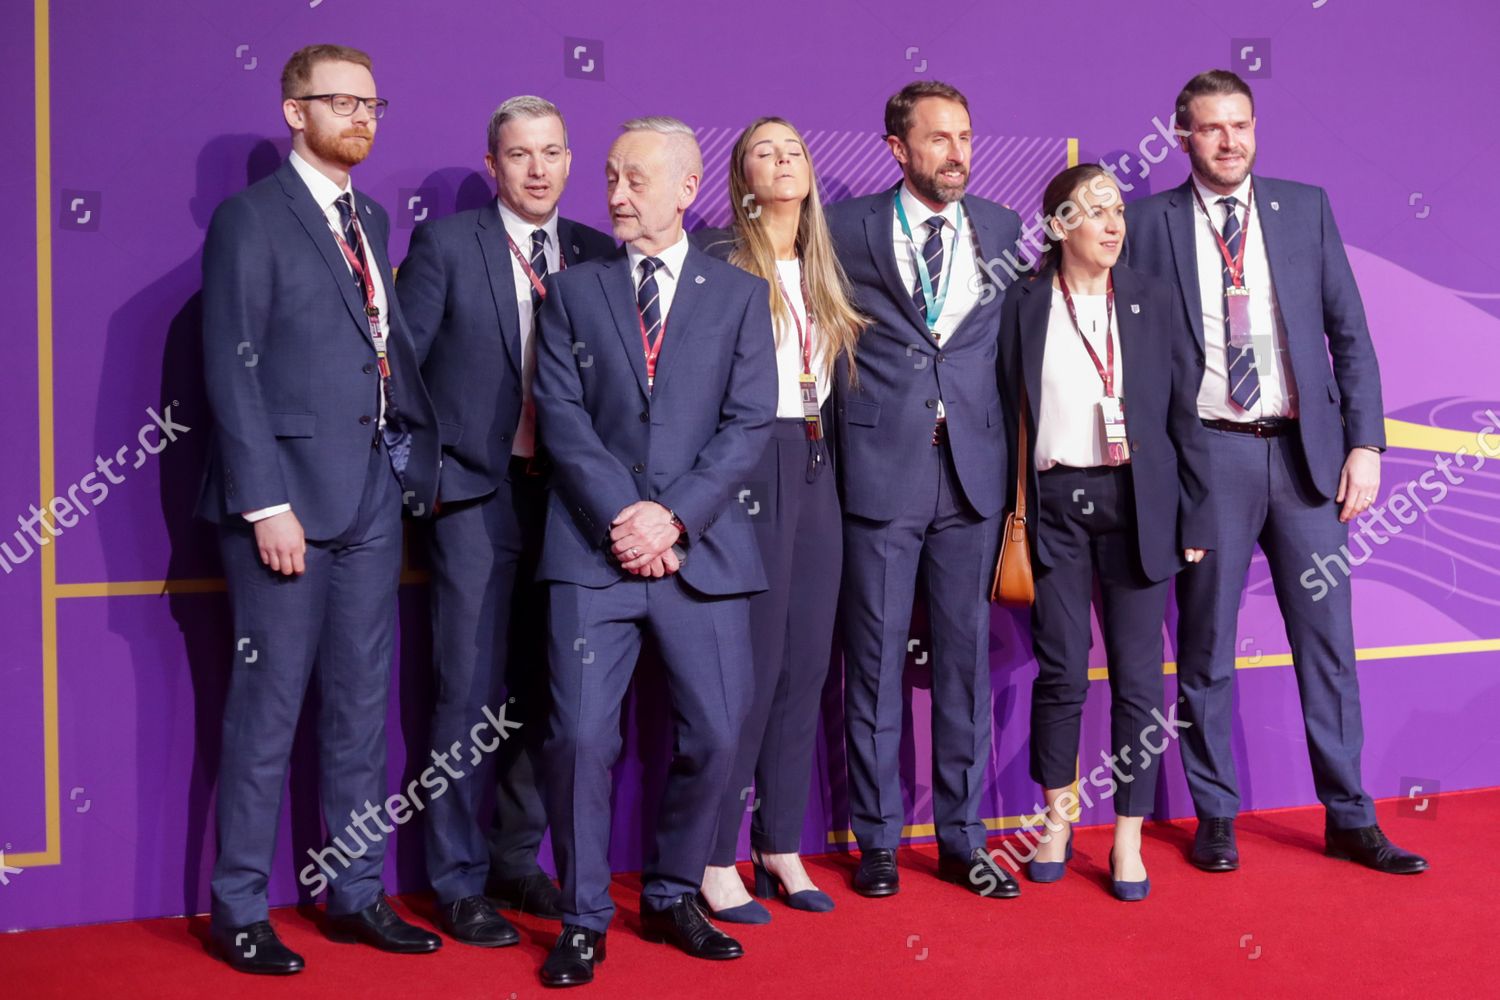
{"points": [[880, 233], [1180, 221], [619, 292], [316, 224], [499, 267], [1129, 320]]}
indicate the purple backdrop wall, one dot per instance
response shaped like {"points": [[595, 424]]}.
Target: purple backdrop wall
{"points": [[117, 636]]}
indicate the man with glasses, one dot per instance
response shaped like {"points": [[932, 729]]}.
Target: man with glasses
{"points": [[470, 289], [323, 433]]}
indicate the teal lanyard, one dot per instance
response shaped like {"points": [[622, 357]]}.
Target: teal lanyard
{"points": [[934, 304]]}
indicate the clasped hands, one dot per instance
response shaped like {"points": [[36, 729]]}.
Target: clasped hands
{"points": [[641, 538]]}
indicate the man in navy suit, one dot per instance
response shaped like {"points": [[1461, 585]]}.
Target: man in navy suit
{"points": [[470, 288], [923, 463], [655, 391], [323, 433], [1296, 443]]}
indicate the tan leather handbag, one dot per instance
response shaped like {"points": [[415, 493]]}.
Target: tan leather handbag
{"points": [[1013, 583]]}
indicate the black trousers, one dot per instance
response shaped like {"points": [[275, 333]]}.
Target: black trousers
{"points": [[800, 533], [1086, 520]]}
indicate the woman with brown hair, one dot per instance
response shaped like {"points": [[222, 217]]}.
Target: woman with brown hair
{"points": [[779, 234], [1117, 464]]}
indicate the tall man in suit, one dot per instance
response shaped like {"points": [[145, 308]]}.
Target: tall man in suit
{"points": [[470, 288], [323, 433], [924, 463], [1296, 443], [655, 391]]}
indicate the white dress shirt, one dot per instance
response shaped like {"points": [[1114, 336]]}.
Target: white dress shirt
{"points": [[667, 275], [326, 193], [519, 230], [1278, 388], [1069, 428], [959, 269], [789, 352]]}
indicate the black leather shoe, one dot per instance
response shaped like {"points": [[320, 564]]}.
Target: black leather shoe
{"points": [[877, 874], [255, 948], [980, 874], [686, 925], [1368, 846], [1213, 845], [474, 920], [378, 925], [573, 958], [534, 894]]}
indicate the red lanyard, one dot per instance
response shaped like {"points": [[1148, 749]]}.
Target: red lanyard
{"points": [[804, 338], [651, 349], [372, 311], [536, 283], [1236, 263], [1105, 376]]}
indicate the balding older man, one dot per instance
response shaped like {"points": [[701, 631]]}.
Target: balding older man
{"points": [[655, 391]]}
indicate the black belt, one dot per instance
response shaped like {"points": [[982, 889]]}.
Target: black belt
{"points": [[1266, 428]]}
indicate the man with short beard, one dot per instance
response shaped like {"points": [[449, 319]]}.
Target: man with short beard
{"points": [[470, 289], [323, 433], [1296, 442], [923, 463]]}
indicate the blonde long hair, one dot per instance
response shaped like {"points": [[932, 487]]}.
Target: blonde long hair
{"points": [[827, 286]]}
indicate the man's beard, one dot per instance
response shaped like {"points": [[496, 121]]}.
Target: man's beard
{"points": [[339, 147], [1208, 167], [932, 186]]}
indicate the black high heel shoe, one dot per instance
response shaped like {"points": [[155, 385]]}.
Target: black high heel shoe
{"points": [[769, 886]]}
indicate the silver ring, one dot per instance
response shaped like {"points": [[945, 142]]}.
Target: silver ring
{"points": [[635, 552]]}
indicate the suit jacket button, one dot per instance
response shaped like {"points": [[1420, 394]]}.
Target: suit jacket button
{"points": [[941, 358], [638, 467], [645, 417], [364, 420], [368, 369], [932, 404]]}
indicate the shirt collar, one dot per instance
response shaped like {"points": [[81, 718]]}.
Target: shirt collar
{"points": [[1241, 193], [917, 213], [672, 258], [324, 191], [520, 230]]}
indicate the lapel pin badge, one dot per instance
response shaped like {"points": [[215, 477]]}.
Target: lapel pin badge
{"points": [[698, 279], [575, 250], [1275, 206], [1135, 308]]}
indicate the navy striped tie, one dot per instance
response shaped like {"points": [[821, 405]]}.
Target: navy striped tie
{"points": [[1244, 382], [932, 251]]}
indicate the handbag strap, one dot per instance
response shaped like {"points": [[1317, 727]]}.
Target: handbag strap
{"points": [[1022, 458]]}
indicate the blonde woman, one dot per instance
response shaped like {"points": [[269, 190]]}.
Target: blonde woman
{"points": [[779, 234]]}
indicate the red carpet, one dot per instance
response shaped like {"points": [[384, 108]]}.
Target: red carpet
{"points": [[1290, 923]]}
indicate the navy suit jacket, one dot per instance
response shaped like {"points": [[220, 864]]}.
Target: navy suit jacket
{"points": [[1339, 404], [1169, 456], [903, 373], [290, 367], [458, 296], [688, 445]]}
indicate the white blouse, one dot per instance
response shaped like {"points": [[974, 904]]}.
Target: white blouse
{"points": [[1069, 428], [789, 352]]}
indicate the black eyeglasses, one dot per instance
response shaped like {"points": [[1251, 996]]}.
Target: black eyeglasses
{"points": [[344, 104]]}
